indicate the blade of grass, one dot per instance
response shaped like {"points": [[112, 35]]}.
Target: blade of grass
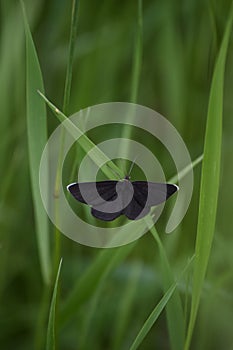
{"points": [[125, 308], [85, 331], [209, 179], [174, 310], [157, 311], [37, 137], [51, 336], [136, 71], [10, 57], [97, 156], [175, 315], [153, 317], [73, 31], [86, 286], [182, 174], [66, 101], [137, 59]]}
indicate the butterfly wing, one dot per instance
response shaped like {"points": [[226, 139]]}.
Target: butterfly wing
{"points": [[145, 195], [135, 211], [152, 193], [85, 192], [105, 216]]}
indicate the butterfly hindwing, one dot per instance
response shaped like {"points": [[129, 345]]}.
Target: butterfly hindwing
{"points": [[105, 216], [135, 211]]}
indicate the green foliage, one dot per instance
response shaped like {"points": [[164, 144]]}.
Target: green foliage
{"points": [[170, 56], [209, 184]]}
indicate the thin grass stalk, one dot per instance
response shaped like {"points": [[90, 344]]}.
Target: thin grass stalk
{"points": [[137, 58], [66, 102]]}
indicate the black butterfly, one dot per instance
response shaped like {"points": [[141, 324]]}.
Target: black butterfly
{"points": [[110, 199]]}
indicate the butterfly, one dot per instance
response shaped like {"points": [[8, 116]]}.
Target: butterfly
{"points": [[110, 199]]}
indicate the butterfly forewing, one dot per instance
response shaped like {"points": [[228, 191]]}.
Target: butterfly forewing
{"points": [[85, 192], [152, 193]]}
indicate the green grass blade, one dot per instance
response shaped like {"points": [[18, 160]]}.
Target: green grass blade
{"points": [[126, 307], [174, 310], [87, 285], [97, 155], [73, 30], [51, 336], [153, 317], [185, 171], [136, 71], [156, 312], [137, 63], [66, 102], [209, 179], [37, 138]]}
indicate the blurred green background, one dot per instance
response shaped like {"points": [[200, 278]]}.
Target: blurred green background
{"points": [[180, 43]]}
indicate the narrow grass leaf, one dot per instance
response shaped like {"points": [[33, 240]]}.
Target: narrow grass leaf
{"points": [[87, 285], [51, 336], [37, 137], [185, 171], [73, 30], [126, 307], [97, 155], [174, 310], [66, 102], [209, 179], [136, 72], [137, 59], [157, 311], [89, 317], [153, 317]]}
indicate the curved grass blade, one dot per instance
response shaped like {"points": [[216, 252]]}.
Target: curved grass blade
{"points": [[209, 179], [174, 310], [153, 317], [126, 307], [51, 337], [156, 312], [87, 285], [97, 155], [37, 138]]}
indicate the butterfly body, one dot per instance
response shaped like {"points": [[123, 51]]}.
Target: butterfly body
{"points": [[110, 199]]}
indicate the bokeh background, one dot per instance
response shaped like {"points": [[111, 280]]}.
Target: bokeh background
{"points": [[180, 43]]}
